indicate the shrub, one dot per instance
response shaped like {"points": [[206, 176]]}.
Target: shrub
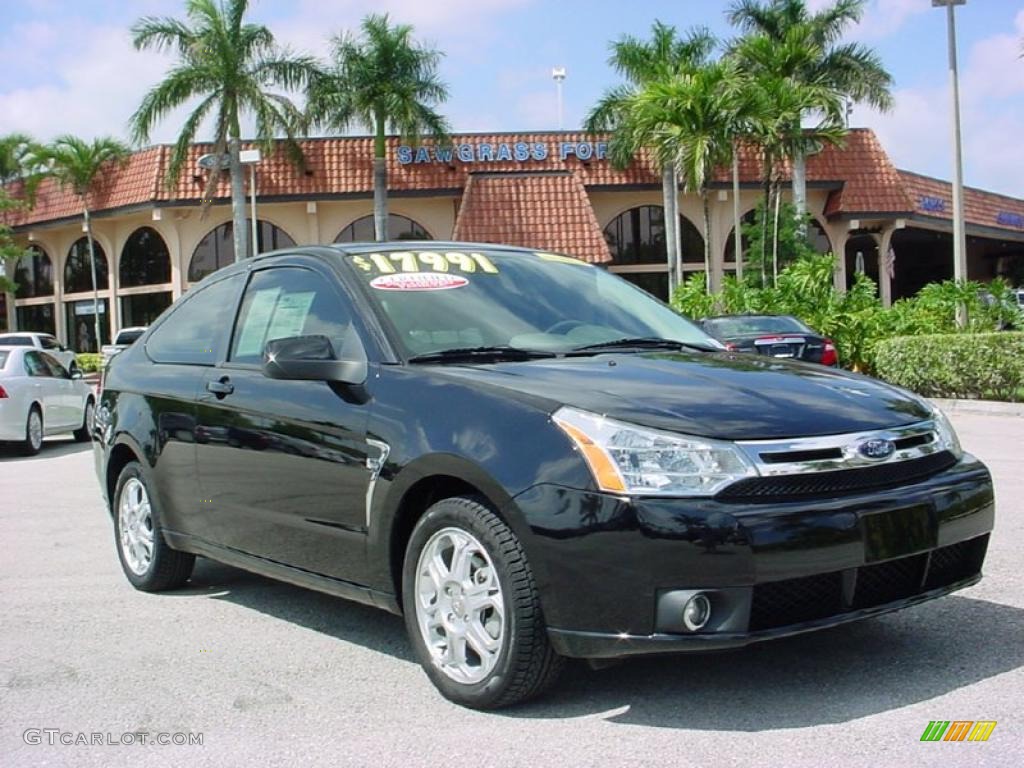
{"points": [[962, 365], [88, 362]]}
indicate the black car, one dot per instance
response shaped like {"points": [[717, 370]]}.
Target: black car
{"points": [[527, 456], [774, 335]]}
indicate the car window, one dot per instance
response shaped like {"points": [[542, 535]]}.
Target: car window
{"points": [[3, 359], [57, 370], [48, 342], [284, 302], [17, 341], [128, 337], [36, 366], [192, 332], [725, 327]]}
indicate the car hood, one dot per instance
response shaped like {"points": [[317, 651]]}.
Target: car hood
{"points": [[722, 395]]}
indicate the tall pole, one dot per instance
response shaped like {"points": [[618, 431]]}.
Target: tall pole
{"points": [[959, 233], [252, 207], [558, 75]]}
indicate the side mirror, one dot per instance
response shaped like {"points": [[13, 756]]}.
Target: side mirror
{"points": [[312, 358], [77, 374]]}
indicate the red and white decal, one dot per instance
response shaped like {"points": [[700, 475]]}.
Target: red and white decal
{"points": [[418, 281]]}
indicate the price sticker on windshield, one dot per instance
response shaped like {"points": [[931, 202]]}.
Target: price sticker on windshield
{"points": [[425, 261]]}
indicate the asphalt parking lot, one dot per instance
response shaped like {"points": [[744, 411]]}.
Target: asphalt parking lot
{"points": [[270, 674]]}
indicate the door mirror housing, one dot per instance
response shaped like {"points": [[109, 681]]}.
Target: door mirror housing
{"points": [[77, 374], [312, 358]]}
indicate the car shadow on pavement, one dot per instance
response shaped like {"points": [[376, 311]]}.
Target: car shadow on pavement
{"points": [[831, 676], [52, 448], [342, 619]]}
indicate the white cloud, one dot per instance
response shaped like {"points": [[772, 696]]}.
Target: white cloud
{"points": [[881, 18]]}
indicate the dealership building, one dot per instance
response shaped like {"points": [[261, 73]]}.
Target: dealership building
{"points": [[551, 191]]}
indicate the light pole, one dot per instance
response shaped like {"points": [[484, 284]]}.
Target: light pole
{"points": [[251, 157], [959, 235], [558, 75]]}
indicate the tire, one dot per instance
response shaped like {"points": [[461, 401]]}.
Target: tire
{"points": [[523, 663], [33, 442], [136, 522], [84, 433]]}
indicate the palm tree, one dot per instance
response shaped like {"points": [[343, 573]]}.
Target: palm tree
{"points": [[687, 122], [79, 164], [385, 82], [15, 149], [642, 62], [15, 152], [807, 50], [228, 65]]}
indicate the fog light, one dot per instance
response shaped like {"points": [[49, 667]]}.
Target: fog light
{"points": [[697, 612]]}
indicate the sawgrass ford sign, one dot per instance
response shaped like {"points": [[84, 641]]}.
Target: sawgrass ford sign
{"points": [[504, 151]]}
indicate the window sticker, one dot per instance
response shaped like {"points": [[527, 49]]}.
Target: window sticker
{"points": [[425, 261], [418, 281]]}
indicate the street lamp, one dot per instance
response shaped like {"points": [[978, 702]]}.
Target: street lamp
{"points": [[251, 157], [959, 235], [558, 75]]}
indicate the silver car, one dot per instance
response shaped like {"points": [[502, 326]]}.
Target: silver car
{"points": [[39, 397], [44, 341]]}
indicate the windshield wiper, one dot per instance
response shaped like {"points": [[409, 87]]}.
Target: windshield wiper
{"points": [[479, 354], [643, 342]]}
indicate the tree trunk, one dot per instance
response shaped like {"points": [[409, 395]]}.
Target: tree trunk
{"points": [[92, 268], [11, 311], [775, 236], [671, 203], [737, 216], [800, 191], [767, 191], [380, 183], [707, 238], [240, 235]]}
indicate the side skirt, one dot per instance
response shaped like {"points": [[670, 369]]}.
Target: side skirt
{"points": [[282, 572]]}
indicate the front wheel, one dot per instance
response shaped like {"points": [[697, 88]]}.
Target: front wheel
{"points": [[84, 433], [472, 609], [33, 442]]}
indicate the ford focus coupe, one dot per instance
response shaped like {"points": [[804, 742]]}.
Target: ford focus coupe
{"points": [[527, 457]]}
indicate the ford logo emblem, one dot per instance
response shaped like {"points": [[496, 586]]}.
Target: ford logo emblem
{"points": [[877, 449]]}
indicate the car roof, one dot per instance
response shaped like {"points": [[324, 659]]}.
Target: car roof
{"points": [[6, 334]]}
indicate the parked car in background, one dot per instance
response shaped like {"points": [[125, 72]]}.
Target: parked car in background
{"points": [[124, 339], [44, 341], [39, 397], [774, 335], [528, 456]]}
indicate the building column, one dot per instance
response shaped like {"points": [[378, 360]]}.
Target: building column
{"points": [[884, 278], [178, 267], [717, 253], [313, 222]]}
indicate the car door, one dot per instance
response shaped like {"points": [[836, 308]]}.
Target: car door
{"points": [[45, 390], [283, 464], [68, 401]]}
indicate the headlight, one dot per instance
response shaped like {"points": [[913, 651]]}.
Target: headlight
{"points": [[945, 432], [625, 458]]}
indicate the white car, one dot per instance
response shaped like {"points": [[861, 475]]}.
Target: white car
{"points": [[39, 397], [44, 341], [124, 339]]}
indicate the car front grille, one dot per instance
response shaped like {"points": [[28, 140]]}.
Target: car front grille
{"points": [[821, 484], [808, 598]]}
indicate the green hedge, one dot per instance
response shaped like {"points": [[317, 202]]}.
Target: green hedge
{"points": [[980, 366], [88, 362]]}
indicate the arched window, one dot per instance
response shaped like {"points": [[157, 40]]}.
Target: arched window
{"points": [[145, 260], [819, 238], [637, 236], [78, 271], [34, 274], [730, 244], [636, 239], [815, 232], [217, 249], [399, 228]]}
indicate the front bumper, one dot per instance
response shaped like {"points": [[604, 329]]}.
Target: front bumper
{"points": [[612, 572]]}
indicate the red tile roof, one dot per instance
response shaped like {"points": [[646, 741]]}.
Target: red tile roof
{"points": [[866, 181], [934, 198], [545, 210]]}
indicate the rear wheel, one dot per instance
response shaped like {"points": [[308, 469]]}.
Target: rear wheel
{"points": [[472, 609], [84, 433], [146, 559], [33, 441]]}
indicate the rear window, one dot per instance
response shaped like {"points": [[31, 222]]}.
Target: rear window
{"points": [[725, 327], [128, 337], [3, 358], [17, 341]]}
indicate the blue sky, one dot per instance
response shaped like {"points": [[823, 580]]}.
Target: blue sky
{"points": [[68, 65]]}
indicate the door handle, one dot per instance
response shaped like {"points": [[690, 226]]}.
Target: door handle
{"points": [[221, 387]]}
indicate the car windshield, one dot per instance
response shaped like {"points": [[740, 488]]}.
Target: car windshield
{"points": [[438, 300], [727, 327], [16, 341]]}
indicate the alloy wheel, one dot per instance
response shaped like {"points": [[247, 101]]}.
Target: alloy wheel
{"points": [[135, 522]]}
